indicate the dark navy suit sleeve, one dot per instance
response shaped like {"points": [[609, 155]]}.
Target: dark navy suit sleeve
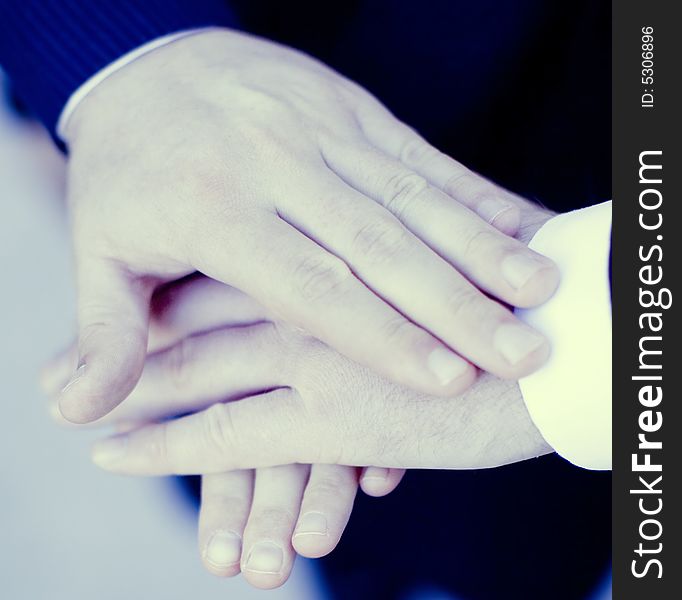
{"points": [[50, 47]]}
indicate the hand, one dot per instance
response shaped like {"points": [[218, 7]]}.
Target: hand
{"points": [[262, 168], [325, 409], [331, 410]]}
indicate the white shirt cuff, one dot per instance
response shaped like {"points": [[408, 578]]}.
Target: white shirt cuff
{"points": [[569, 399], [90, 84]]}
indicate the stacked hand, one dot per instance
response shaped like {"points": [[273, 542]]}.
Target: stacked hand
{"points": [[370, 261], [213, 352]]}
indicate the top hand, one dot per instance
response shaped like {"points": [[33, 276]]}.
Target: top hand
{"points": [[262, 168]]}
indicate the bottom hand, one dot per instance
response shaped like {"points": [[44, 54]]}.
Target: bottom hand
{"points": [[265, 395]]}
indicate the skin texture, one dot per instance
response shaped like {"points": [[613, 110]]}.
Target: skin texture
{"points": [[263, 169]]}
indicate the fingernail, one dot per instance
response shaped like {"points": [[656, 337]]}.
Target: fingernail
{"points": [[446, 366], [518, 268], [107, 452], [265, 557], [516, 342], [78, 373], [491, 209], [375, 473], [312, 523], [224, 549]]}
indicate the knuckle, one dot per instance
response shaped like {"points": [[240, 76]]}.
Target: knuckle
{"points": [[479, 193], [417, 152], [398, 330], [470, 188], [463, 304], [402, 190], [271, 518], [226, 503], [381, 241], [316, 278], [477, 244], [458, 182], [219, 429], [325, 489]]}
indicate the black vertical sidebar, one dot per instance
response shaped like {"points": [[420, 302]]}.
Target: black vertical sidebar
{"points": [[647, 229]]}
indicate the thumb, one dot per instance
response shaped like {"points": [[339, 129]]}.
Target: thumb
{"points": [[113, 315]]}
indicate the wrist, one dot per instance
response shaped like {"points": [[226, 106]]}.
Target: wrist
{"points": [[154, 71], [100, 76]]}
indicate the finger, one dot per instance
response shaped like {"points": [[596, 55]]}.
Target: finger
{"points": [[202, 369], [178, 310], [225, 506], [488, 200], [325, 510], [380, 481], [311, 288], [420, 284], [487, 426], [231, 436], [269, 431], [113, 310], [494, 262], [221, 365], [268, 555]]}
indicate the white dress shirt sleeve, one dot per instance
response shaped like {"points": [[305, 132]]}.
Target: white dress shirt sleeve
{"points": [[90, 84], [569, 399]]}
